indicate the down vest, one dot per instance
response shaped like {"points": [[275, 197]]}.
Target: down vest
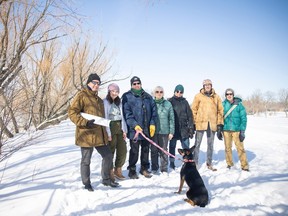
{"points": [[207, 109], [237, 119], [89, 102]]}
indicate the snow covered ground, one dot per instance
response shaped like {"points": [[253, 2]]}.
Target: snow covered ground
{"points": [[44, 179]]}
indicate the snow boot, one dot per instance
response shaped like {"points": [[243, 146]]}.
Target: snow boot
{"points": [[132, 173], [118, 173], [146, 173], [209, 166]]}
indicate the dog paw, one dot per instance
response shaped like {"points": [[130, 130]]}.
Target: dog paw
{"points": [[189, 201], [177, 192]]}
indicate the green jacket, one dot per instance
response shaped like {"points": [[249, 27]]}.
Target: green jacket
{"points": [[237, 119], [89, 102], [165, 123]]}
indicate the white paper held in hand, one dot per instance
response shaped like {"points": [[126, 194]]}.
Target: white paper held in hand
{"points": [[98, 120]]}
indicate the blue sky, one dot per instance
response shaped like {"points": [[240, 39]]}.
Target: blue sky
{"points": [[239, 44]]}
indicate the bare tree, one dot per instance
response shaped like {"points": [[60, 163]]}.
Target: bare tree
{"points": [[24, 24], [283, 99], [268, 100], [256, 102]]}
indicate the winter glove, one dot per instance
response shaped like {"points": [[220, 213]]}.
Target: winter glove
{"points": [[219, 131], [137, 127], [191, 132], [152, 130], [242, 136], [90, 123]]}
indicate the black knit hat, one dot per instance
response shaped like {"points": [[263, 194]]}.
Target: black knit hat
{"points": [[134, 79], [92, 77]]}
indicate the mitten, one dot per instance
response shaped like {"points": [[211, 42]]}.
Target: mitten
{"points": [[90, 123], [137, 127], [219, 131], [242, 136], [152, 130]]}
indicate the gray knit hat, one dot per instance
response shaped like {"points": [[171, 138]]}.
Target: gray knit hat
{"points": [[229, 90]]}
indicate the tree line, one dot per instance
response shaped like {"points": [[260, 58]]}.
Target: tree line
{"points": [[268, 102]]}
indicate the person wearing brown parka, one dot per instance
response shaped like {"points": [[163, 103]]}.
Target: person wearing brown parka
{"points": [[89, 135], [207, 111]]}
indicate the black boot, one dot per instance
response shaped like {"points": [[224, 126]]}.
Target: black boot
{"points": [[110, 183], [89, 187], [132, 173]]}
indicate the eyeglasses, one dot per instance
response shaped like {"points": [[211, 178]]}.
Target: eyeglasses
{"points": [[227, 94], [138, 83], [159, 92], [179, 92], [95, 83]]}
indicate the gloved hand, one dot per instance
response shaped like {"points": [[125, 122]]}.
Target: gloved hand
{"points": [[90, 123], [219, 131], [152, 130], [191, 132], [242, 136], [137, 127]]}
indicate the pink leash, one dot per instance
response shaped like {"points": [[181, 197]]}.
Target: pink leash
{"points": [[155, 144]]}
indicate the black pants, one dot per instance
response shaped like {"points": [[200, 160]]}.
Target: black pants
{"points": [[134, 154], [107, 165]]}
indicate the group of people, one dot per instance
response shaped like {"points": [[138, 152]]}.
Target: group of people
{"points": [[165, 121]]}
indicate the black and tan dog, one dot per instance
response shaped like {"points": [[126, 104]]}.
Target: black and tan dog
{"points": [[197, 193]]}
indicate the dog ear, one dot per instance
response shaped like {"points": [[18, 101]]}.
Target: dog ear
{"points": [[181, 152], [192, 148]]}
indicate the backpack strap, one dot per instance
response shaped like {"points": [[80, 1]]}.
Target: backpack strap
{"points": [[230, 110]]}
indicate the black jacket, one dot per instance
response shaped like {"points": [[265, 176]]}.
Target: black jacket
{"points": [[184, 124]]}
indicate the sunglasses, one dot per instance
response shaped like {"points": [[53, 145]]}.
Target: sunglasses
{"points": [[229, 94], [95, 83], [137, 83], [179, 92], [159, 92]]}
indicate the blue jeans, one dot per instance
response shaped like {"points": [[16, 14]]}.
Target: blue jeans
{"points": [[185, 143]]}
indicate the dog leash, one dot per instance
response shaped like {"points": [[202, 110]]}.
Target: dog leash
{"points": [[155, 144]]}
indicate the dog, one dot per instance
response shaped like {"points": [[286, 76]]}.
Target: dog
{"points": [[197, 194]]}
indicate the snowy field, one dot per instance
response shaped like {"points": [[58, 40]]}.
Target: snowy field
{"points": [[44, 178]]}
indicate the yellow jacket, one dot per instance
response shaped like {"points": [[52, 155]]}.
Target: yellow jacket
{"points": [[207, 109]]}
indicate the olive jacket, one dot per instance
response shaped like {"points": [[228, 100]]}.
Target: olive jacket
{"points": [[88, 102]]}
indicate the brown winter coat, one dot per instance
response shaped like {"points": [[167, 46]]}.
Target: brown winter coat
{"points": [[89, 102], [207, 109]]}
